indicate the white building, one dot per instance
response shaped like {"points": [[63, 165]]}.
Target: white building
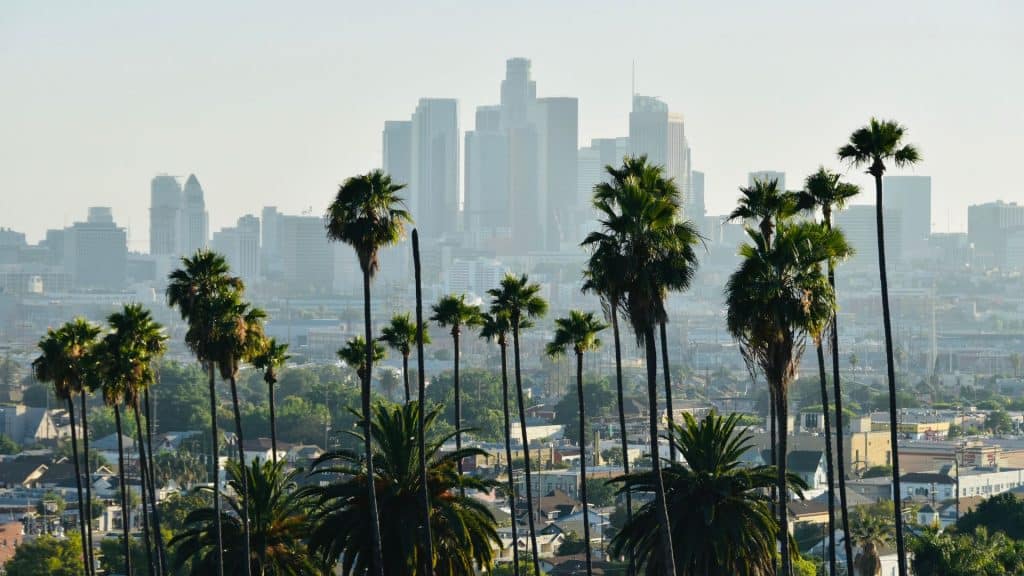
{"points": [[979, 481]]}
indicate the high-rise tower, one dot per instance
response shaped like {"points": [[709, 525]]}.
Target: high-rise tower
{"points": [[434, 181], [194, 220], [164, 215]]}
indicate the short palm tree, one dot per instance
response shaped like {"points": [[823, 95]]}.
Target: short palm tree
{"points": [[765, 203], [776, 298], [873, 145], [495, 328], [271, 357], [368, 214], [520, 300], [196, 289], [63, 361], [451, 311], [722, 520], [824, 191], [869, 533], [400, 335], [279, 527], [462, 528], [579, 331], [354, 355]]}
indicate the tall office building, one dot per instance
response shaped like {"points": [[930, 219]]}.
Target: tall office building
{"points": [[677, 160], [194, 221], [306, 255], [912, 197], [397, 141], [434, 182], [767, 176], [858, 224], [486, 208], [557, 121], [693, 206], [988, 226], [648, 129], [240, 245], [164, 215], [518, 93], [96, 252]]}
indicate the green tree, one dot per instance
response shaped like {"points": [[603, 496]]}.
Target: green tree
{"points": [[112, 557], [270, 359], [8, 446], [280, 525], [722, 519], [198, 289], [579, 331], [999, 422], [1000, 513], [601, 492], [400, 335], [873, 145], [47, 556], [368, 214], [519, 300], [524, 567], [776, 298], [461, 527]]}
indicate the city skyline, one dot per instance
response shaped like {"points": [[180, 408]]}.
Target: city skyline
{"points": [[279, 129]]}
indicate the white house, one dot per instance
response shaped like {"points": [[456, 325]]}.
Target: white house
{"points": [[978, 481]]}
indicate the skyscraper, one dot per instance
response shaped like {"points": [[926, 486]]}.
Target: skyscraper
{"points": [[648, 129], [241, 246], [987, 227], [96, 252], [557, 121], [397, 140], [767, 176], [194, 220], [858, 224], [306, 255], [434, 183], [486, 208], [911, 196], [164, 215], [677, 160], [693, 206]]}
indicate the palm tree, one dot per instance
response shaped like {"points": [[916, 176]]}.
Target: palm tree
{"points": [[452, 311], [873, 145], [196, 289], [520, 301], [400, 335], [354, 354], [722, 520], [462, 528], [776, 298], [368, 214], [63, 358], [271, 357], [426, 540], [869, 532], [579, 331], [495, 328], [765, 203], [140, 342], [280, 525], [824, 191]]}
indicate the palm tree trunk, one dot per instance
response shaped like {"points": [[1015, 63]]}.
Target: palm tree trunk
{"points": [[126, 515], [91, 565], [666, 550], [622, 426], [458, 405], [161, 550], [508, 458], [526, 446], [144, 487], [668, 385], [215, 468], [782, 413], [78, 483], [774, 441], [245, 472], [405, 376], [829, 473], [273, 420], [837, 394], [428, 542], [378, 557], [901, 549], [583, 462]]}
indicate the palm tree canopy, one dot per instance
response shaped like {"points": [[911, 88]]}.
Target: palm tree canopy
{"points": [[64, 357], [763, 201], [367, 213], [519, 298], [721, 514], [578, 331], [879, 142], [650, 176], [279, 525], [462, 527], [825, 191], [354, 354], [271, 357], [199, 290], [606, 269], [129, 351], [453, 311], [400, 334], [495, 326], [237, 332]]}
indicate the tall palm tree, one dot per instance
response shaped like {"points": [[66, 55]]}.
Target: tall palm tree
{"points": [[62, 361], [520, 300], [579, 331], [198, 289], [451, 311], [462, 528], [400, 335], [368, 214], [824, 191], [873, 145], [426, 539], [280, 525], [776, 298], [766, 203], [271, 357], [722, 520], [495, 328]]}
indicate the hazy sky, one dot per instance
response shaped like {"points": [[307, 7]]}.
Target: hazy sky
{"points": [[274, 103]]}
